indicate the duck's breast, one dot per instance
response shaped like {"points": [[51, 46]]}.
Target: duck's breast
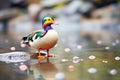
{"points": [[47, 41]]}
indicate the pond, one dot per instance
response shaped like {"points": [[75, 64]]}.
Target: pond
{"points": [[77, 57]]}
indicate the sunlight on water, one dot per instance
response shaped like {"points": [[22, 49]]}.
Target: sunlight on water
{"points": [[71, 68], [99, 42], [117, 58], [91, 57], [104, 61], [12, 48], [67, 50], [75, 59], [92, 70], [59, 76], [107, 48], [113, 71]]}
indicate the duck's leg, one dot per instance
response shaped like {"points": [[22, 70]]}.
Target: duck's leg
{"points": [[49, 55], [40, 56]]}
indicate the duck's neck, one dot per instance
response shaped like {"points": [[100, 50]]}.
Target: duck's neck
{"points": [[48, 28]]}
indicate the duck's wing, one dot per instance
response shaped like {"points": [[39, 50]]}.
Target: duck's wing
{"points": [[33, 35]]}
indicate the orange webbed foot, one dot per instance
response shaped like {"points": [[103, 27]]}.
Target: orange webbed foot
{"points": [[41, 57]]}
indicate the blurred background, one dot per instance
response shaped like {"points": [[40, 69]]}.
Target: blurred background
{"points": [[89, 39]]}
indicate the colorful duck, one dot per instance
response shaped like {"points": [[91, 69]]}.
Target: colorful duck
{"points": [[43, 40]]}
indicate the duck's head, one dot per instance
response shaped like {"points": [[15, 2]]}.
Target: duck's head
{"points": [[47, 21]]}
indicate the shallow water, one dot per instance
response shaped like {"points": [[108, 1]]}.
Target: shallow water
{"points": [[76, 58], [91, 64]]}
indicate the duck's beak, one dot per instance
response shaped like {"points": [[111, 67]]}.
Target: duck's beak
{"points": [[56, 23]]}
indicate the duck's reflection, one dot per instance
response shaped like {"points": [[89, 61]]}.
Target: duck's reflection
{"points": [[47, 70]]}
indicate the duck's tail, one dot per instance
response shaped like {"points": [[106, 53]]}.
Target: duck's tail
{"points": [[25, 41]]}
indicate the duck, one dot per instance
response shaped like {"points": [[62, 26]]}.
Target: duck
{"points": [[43, 40]]}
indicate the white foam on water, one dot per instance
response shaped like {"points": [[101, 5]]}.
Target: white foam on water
{"points": [[12, 57]]}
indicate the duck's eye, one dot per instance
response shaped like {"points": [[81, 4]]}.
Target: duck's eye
{"points": [[48, 19]]}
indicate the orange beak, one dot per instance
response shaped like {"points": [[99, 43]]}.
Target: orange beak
{"points": [[55, 23]]}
